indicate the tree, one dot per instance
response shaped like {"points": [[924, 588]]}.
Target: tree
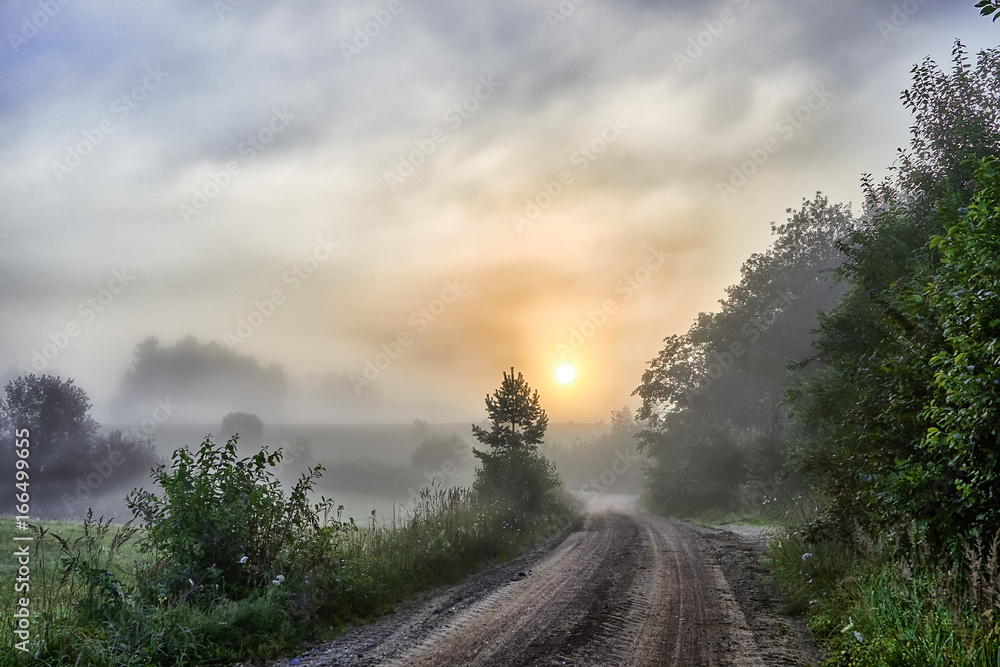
{"points": [[513, 470], [864, 409], [950, 475], [212, 379], [248, 426], [516, 416], [57, 414], [711, 399], [438, 450]]}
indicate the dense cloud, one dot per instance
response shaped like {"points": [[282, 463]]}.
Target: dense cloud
{"points": [[535, 153]]}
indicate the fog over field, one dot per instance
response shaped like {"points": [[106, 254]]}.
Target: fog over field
{"points": [[385, 205], [332, 332]]}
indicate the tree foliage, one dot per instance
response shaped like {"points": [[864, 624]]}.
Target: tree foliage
{"points": [[56, 411], [68, 452], [989, 7], [917, 271], [517, 420], [512, 469], [711, 399], [208, 377]]}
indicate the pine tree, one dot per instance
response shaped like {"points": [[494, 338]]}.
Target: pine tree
{"points": [[513, 470], [517, 418]]}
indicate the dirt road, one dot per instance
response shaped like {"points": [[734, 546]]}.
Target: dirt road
{"points": [[623, 588]]}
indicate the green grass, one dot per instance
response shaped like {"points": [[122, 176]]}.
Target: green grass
{"points": [[887, 602], [714, 518], [110, 607]]}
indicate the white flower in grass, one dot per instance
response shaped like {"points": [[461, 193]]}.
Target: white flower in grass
{"points": [[858, 636], [278, 580], [244, 560], [805, 556]]}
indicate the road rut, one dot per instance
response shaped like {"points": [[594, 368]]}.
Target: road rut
{"points": [[623, 588]]}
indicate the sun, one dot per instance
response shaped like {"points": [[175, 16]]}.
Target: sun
{"points": [[566, 373]]}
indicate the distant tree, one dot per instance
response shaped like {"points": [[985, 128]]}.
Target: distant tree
{"points": [[436, 450], [517, 420], [607, 462], [205, 374], [712, 398], [249, 427], [6, 427], [57, 414], [420, 429]]}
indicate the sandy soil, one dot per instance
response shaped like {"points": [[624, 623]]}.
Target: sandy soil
{"points": [[622, 587]]}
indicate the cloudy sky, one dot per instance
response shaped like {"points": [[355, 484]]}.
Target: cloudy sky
{"points": [[459, 187]]}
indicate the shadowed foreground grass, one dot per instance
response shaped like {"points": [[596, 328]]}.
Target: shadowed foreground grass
{"points": [[886, 601], [98, 595]]}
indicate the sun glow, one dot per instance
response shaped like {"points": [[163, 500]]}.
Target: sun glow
{"points": [[566, 373]]}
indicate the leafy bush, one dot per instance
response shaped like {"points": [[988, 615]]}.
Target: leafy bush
{"points": [[225, 521]]}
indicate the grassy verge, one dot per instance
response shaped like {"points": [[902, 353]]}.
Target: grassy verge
{"points": [[881, 602], [712, 518], [887, 602], [101, 594]]}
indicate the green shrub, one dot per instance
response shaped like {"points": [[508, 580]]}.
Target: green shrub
{"points": [[224, 522], [176, 593]]}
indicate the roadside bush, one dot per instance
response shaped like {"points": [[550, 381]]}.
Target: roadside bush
{"points": [[225, 522], [230, 568]]}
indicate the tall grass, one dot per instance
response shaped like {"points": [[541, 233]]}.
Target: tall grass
{"points": [[98, 596], [445, 535], [887, 601]]}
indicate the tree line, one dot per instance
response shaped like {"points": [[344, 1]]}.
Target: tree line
{"points": [[858, 358]]}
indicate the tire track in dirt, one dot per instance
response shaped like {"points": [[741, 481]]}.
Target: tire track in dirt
{"points": [[624, 588]]}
